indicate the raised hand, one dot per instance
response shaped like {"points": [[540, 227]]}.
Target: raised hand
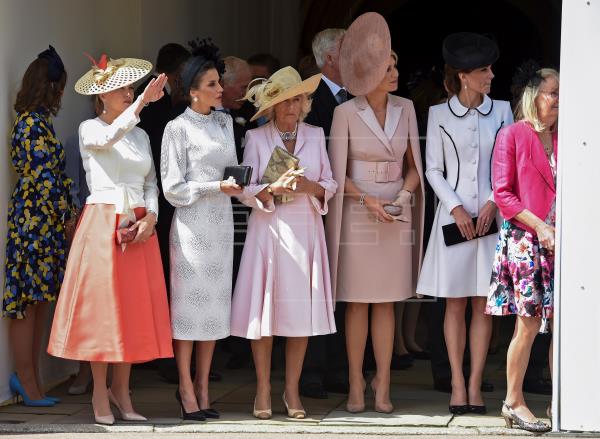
{"points": [[155, 89]]}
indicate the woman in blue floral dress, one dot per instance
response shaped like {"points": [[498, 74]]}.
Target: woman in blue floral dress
{"points": [[40, 204], [522, 283]]}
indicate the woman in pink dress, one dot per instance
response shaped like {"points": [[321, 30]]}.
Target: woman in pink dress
{"points": [[283, 287], [374, 225]]}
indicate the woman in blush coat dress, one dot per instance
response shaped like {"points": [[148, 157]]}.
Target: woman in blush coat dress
{"points": [[283, 287]]}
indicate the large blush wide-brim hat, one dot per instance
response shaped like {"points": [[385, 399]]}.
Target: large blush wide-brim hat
{"points": [[108, 75], [284, 84], [365, 53], [468, 50]]}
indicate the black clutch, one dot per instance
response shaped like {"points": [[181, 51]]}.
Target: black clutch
{"points": [[452, 234], [241, 174]]}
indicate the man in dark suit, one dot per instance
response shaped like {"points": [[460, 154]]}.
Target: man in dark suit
{"points": [[235, 82], [325, 364], [153, 120]]}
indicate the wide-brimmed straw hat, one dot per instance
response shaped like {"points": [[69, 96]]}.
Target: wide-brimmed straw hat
{"points": [[365, 53], [110, 74], [284, 84]]}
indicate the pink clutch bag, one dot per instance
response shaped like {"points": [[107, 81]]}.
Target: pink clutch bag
{"points": [[124, 235]]}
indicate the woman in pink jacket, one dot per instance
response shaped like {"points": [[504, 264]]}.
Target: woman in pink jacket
{"points": [[524, 170], [283, 287]]}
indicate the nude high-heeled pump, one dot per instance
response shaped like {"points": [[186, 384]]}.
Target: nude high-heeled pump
{"points": [[293, 413], [133, 416], [261, 414]]}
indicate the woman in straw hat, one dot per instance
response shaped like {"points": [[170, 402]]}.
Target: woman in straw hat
{"points": [[113, 303], [283, 287], [375, 157], [196, 148]]}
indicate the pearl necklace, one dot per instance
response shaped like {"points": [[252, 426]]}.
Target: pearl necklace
{"points": [[287, 136]]}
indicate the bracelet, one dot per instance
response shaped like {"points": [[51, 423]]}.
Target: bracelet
{"points": [[148, 211], [361, 201], [270, 190]]}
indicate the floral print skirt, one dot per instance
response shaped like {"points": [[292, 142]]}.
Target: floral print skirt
{"points": [[522, 280]]}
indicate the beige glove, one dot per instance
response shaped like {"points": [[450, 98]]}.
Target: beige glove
{"points": [[403, 200]]}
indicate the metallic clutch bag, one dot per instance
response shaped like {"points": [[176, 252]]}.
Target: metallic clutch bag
{"points": [[279, 163]]}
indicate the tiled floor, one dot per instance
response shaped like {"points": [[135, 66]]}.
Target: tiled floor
{"points": [[416, 405]]}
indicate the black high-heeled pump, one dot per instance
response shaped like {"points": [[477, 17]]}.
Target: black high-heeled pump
{"points": [[477, 409], [197, 416], [458, 409]]}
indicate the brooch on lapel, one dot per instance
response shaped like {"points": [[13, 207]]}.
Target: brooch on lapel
{"points": [[241, 121]]}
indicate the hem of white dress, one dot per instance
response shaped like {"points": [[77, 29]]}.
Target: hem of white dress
{"points": [[190, 338], [450, 295]]}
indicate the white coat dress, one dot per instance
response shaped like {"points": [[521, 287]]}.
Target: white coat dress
{"points": [[459, 150]]}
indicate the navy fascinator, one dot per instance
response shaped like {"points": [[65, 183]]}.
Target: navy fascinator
{"points": [[56, 68]]}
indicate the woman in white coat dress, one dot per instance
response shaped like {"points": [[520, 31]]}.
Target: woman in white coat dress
{"points": [[460, 141]]}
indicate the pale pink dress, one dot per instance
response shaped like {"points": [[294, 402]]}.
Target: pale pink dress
{"points": [[284, 285]]}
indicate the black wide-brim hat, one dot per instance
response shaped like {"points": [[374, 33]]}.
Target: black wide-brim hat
{"points": [[468, 50]]}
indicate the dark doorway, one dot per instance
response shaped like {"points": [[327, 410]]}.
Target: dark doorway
{"points": [[523, 28]]}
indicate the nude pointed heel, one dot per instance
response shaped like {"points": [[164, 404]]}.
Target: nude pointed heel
{"points": [[131, 417], [261, 414], [293, 413], [386, 410]]}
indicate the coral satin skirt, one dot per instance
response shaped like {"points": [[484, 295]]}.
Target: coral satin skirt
{"points": [[112, 306]]}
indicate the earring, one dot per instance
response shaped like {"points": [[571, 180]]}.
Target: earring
{"points": [[103, 111], [195, 99]]}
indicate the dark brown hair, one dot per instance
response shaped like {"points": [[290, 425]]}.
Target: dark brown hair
{"points": [[451, 79], [38, 91]]}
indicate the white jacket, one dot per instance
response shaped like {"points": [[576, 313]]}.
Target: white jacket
{"points": [[460, 143]]}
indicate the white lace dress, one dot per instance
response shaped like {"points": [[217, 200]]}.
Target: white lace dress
{"points": [[196, 149]]}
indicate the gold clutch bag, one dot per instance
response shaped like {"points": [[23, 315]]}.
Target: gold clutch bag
{"points": [[280, 162]]}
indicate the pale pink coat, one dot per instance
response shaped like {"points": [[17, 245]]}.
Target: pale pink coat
{"points": [[373, 262], [284, 285]]}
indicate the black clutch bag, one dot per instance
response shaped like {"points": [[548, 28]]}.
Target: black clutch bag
{"points": [[452, 234], [241, 174]]}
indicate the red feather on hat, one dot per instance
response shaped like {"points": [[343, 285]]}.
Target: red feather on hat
{"points": [[101, 64]]}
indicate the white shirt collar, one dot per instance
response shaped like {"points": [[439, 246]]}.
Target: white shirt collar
{"points": [[332, 85], [459, 110]]}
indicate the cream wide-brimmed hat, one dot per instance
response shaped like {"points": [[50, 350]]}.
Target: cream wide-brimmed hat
{"points": [[110, 74], [365, 53], [284, 84]]}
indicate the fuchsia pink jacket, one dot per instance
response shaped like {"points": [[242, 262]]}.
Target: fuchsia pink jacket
{"points": [[521, 173]]}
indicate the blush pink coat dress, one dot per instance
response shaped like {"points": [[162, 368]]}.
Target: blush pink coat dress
{"points": [[284, 284], [373, 262]]}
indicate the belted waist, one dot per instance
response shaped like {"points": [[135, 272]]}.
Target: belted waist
{"points": [[126, 197], [379, 172]]}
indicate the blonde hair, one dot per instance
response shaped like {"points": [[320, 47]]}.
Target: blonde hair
{"points": [[324, 42], [306, 105], [526, 108]]}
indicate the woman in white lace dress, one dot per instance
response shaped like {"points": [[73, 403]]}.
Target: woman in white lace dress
{"points": [[196, 148]]}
